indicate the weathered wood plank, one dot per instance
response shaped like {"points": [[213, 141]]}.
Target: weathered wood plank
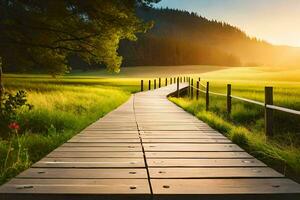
{"points": [[61, 173], [204, 163], [77, 186], [182, 140], [80, 154], [178, 136], [90, 163], [100, 144], [224, 186], [222, 155], [104, 140], [99, 149], [192, 173], [191, 147], [108, 136]]}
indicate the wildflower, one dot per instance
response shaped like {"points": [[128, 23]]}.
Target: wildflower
{"points": [[14, 126]]}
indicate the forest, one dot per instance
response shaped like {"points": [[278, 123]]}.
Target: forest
{"points": [[184, 38]]}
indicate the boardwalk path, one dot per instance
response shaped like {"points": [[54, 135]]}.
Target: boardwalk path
{"points": [[149, 148]]}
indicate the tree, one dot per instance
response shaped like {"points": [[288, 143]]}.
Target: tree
{"points": [[42, 34], [1, 83]]}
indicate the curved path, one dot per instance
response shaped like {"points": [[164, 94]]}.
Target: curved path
{"points": [[149, 148]]}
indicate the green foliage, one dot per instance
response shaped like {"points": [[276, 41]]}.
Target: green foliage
{"points": [[43, 34], [9, 108]]}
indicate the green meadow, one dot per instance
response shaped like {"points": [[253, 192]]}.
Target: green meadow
{"points": [[62, 107], [65, 105], [245, 124]]}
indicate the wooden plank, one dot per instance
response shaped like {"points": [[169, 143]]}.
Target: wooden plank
{"points": [[50, 173], [191, 147], [182, 140], [79, 154], [224, 186], [194, 155], [89, 162], [108, 136], [108, 132], [208, 132], [204, 163], [105, 140], [100, 144], [112, 128], [178, 136], [191, 173], [77, 186], [99, 149]]}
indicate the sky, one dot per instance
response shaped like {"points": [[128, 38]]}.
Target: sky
{"points": [[275, 21]]}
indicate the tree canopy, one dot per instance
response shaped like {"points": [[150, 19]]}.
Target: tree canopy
{"points": [[42, 34]]}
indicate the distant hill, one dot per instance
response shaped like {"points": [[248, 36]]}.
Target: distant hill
{"points": [[183, 38]]}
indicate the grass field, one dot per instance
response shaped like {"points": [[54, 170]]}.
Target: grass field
{"points": [[62, 107], [66, 104], [245, 125]]}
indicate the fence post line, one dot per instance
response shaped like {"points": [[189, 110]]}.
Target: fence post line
{"points": [[192, 89], [189, 88], [207, 96], [178, 87], [228, 99], [268, 112], [166, 84], [184, 79], [142, 85], [149, 87], [197, 92], [171, 80], [159, 82], [154, 84], [174, 79], [199, 79]]}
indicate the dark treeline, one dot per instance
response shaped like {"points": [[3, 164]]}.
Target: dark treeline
{"points": [[183, 38]]}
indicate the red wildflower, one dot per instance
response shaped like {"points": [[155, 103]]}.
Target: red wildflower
{"points": [[14, 126]]}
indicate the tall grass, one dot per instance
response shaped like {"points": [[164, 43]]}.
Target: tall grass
{"points": [[245, 128], [62, 108]]}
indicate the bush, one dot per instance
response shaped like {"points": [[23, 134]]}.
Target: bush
{"points": [[9, 106]]}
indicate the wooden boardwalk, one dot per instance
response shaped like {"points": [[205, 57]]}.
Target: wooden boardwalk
{"points": [[149, 149]]}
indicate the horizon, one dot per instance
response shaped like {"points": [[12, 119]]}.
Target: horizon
{"points": [[255, 18]]}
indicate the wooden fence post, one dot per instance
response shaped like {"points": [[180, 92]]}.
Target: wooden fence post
{"points": [[192, 89], [142, 85], [199, 79], [159, 82], [149, 87], [174, 79], [178, 88], [166, 82], [228, 99], [189, 88], [154, 84], [268, 112], [171, 80], [184, 79], [197, 92], [207, 96]]}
